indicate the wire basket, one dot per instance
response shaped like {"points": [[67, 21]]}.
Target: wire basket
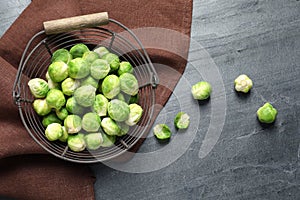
{"points": [[115, 37]]}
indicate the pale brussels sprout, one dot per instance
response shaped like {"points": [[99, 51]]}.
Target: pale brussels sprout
{"points": [[201, 90], [129, 84], [182, 120], [76, 142], [162, 131], [118, 110], [101, 51], [108, 140], [90, 56], [50, 118], [267, 113], [110, 86], [78, 50], [53, 131], [73, 107], [243, 83], [58, 71], [124, 128], [99, 69], [91, 122], [41, 107], [69, 85], [113, 61], [62, 113], [78, 68], [85, 95], [61, 55], [100, 105], [64, 136], [125, 67], [72, 124], [89, 81], [135, 114], [110, 127], [55, 99], [93, 141], [38, 87]]}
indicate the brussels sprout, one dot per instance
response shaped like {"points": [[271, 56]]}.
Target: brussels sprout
{"points": [[201, 90], [93, 140], [125, 67], [78, 50], [243, 83], [267, 113], [101, 51], [113, 61], [100, 105], [134, 99], [118, 110], [76, 142], [49, 119], [58, 71], [73, 107], [41, 107], [53, 131], [85, 95], [89, 81], [121, 97], [78, 68], [99, 69], [123, 127], [55, 99], [38, 87], [69, 85], [90, 56], [135, 114], [108, 140], [91, 122], [61, 55], [182, 120], [110, 127], [110, 86], [162, 131], [64, 136], [129, 84], [62, 113], [72, 124]]}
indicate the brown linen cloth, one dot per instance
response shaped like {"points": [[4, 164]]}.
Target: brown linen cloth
{"points": [[26, 170]]}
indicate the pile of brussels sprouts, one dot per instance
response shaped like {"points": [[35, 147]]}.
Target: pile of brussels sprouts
{"points": [[89, 97]]}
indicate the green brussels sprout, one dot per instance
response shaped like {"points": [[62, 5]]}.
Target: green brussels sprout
{"points": [[99, 69], [93, 140], [49, 119], [78, 68], [100, 105], [41, 107], [73, 107], [243, 83], [91, 122], [90, 56], [125, 67], [62, 113], [267, 113], [135, 114], [123, 127], [78, 50], [85, 95], [129, 84], [55, 99], [118, 110], [201, 90], [69, 85], [76, 142], [101, 51], [64, 136], [110, 86], [53, 131], [89, 81], [182, 120], [72, 124], [162, 131], [58, 71], [38, 87], [113, 61], [108, 140], [61, 55], [110, 127]]}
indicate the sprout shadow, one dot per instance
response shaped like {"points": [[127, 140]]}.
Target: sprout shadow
{"points": [[242, 95], [203, 102], [163, 142], [269, 126]]}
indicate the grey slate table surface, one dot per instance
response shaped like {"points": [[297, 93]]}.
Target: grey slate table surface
{"points": [[226, 153]]}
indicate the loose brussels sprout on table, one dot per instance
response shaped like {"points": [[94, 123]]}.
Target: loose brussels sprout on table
{"points": [[267, 113], [182, 120], [243, 83], [38, 87], [162, 131], [201, 90]]}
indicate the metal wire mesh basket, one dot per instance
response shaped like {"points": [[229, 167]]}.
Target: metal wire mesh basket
{"points": [[118, 39]]}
